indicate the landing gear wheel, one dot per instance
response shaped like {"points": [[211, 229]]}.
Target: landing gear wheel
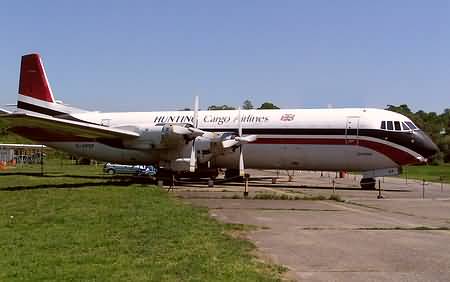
{"points": [[233, 175], [368, 183], [230, 173]]}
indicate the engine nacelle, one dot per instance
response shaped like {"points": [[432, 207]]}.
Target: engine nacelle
{"points": [[205, 147], [159, 137]]}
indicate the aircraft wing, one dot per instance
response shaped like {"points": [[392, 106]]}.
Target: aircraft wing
{"points": [[64, 126]]}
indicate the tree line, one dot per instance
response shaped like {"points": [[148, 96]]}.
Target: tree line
{"points": [[247, 105], [437, 126]]}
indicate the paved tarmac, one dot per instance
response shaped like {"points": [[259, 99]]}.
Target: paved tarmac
{"points": [[402, 237]]}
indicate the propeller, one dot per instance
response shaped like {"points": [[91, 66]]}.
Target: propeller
{"points": [[193, 158]]}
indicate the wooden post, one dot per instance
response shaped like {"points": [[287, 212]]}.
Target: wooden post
{"points": [[379, 190], [423, 188], [42, 161], [246, 177], [406, 175]]}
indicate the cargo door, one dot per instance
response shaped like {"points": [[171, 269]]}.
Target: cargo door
{"points": [[352, 130]]}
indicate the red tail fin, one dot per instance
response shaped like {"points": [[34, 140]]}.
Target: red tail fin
{"points": [[33, 80]]}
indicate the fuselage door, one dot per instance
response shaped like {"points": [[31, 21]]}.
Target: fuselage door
{"points": [[352, 130]]}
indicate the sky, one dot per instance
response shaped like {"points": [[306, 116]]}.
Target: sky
{"points": [[157, 55]]}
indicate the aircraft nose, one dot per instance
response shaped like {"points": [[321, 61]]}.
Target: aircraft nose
{"points": [[427, 146]]}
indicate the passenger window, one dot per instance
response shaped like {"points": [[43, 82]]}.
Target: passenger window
{"points": [[383, 125], [397, 125], [390, 126], [411, 125], [405, 127]]}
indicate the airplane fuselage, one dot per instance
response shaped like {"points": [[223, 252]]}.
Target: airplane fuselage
{"points": [[314, 139]]}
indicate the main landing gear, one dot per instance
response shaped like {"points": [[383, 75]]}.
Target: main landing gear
{"points": [[368, 183], [368, 180]]}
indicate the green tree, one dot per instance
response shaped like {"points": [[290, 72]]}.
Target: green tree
{"points": [[267, 106], [223, 107], [247, 105]]}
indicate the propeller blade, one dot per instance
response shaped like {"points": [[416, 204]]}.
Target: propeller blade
{"points": [[229, 143], [241, 163], [181, 130], [239, 122], [196, 106], [196, 132], [239, 139], [193, 159], [246, 139]]}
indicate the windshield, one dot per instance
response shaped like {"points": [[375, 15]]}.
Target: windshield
{"points": [[411, 125]]}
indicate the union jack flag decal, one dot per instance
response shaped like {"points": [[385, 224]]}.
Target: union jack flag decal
{"points": [[287, 117]]}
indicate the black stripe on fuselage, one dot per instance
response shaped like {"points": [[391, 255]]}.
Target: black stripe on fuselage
{"points": [[49, 112], [400, 138]]}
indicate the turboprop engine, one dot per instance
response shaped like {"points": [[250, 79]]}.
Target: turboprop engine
{"points": [[163, 137], [204, 147]]}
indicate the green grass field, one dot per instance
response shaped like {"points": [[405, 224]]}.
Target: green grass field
{"points": [[82, 226], [428, 172]]}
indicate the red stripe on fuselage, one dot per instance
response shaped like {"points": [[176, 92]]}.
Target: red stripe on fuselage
{"points": [[397, 155]]}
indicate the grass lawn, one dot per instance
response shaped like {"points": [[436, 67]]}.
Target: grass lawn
{"points": [[82, 226], [428, 172]]}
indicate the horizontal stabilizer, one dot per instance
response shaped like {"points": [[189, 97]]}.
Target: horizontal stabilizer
{"points": [[3, 111]]}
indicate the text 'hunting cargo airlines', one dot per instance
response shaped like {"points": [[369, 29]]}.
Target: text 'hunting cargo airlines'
{"points": [[373, 141]]}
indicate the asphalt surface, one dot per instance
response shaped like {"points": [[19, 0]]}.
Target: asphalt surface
{"points": [[402, 237]]}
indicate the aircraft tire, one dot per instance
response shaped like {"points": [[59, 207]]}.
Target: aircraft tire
{"points": [[368, 183], [231, 173]]}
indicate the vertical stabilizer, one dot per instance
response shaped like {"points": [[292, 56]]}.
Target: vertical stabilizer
{"points": [[35, 93], [33, 79]]}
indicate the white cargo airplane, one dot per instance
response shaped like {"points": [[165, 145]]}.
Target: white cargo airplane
{"points": [[375, 142]]}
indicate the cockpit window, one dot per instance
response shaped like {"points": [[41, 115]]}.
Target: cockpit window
{"points": [[390, 126], [397, 125], [411, 125], [404, 126]]}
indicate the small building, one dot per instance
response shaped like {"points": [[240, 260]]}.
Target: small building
{"points": [[21, 153]]}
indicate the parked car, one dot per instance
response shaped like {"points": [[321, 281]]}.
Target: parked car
{"points": [[112, 169]]}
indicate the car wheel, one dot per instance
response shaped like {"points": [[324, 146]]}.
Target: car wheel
{"points": [[111, 171]]}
